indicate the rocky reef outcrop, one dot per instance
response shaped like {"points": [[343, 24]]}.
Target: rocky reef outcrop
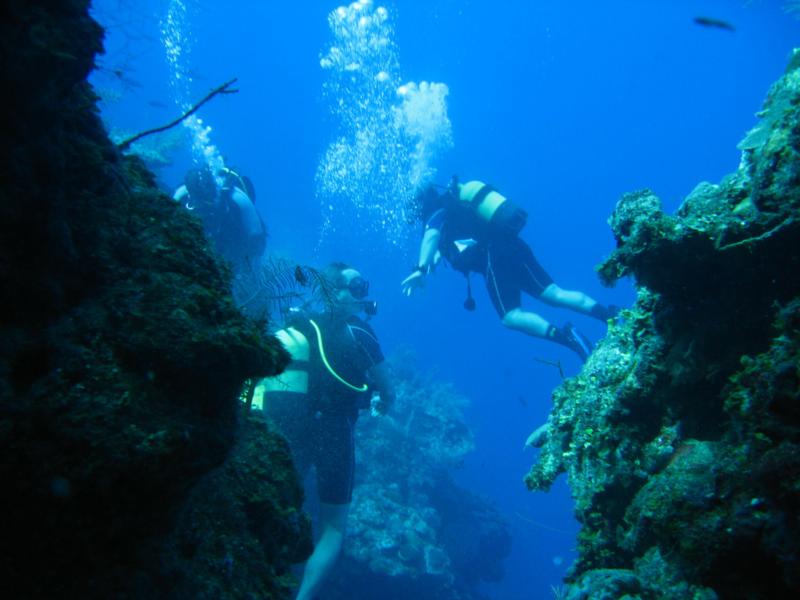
{"points": [[128, 469], [412, 532], [681, 436]]}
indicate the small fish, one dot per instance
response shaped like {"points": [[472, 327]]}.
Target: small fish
{"points": [[522, 401], [121, 74], [300, 276], [710, 22], [157, 104]]}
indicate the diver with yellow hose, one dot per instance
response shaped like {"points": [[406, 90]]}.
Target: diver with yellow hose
{"points": [[476, 229], [337, 369]]}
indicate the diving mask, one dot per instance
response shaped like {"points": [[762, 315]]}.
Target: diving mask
{"points": [[358, 287]]}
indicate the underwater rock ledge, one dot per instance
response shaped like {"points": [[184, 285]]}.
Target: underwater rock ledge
{"points": [[681, 435], [128, 469]]}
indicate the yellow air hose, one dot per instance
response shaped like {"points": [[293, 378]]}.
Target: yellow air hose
{"points": [[361, 388]]}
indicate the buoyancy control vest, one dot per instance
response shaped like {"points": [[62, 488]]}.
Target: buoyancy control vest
{"points": [[323, 371], [294, 379]]}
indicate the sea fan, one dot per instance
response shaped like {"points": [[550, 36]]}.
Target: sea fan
{"points": [[278, 285]]}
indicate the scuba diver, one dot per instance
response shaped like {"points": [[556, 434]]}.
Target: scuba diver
{"points": [[476, 229], [337, 368], [228, 213]]}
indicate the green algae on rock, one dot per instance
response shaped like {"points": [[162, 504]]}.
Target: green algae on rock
{"points": [[681, 435]]}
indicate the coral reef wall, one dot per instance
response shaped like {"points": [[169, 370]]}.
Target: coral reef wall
{"points": [[412, 532], [127, 468], [681, 436]]}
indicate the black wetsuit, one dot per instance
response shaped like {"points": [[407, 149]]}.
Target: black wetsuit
{"points": [[320, 426], [506, 262]]}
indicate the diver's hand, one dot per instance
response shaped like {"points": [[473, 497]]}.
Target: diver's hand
{"points": [[378, 406], [413, 281]]}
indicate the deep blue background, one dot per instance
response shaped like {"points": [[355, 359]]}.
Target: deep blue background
{"points": [[563, 106]]}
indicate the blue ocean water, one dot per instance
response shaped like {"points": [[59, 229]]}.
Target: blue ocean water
{"points": [[562, 106]]}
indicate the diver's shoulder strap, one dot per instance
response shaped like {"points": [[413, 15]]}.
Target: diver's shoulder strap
{"points": [[480, 195]]}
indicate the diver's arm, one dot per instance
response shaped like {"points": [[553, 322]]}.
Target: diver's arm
{"points": [[382, 383], [251, 222], [180, 194], [429, 255]]}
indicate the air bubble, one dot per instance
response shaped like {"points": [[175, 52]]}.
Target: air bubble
{"points": [[389, 137]]}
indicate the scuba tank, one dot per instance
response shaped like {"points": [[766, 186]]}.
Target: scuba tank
{"points": [[293, 382], [233, 179], [501, 216]]}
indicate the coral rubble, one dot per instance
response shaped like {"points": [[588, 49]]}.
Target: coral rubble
{"points": [[681, 436], [127, 468]]}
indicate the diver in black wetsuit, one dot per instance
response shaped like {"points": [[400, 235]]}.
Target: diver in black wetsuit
{"points": [[337, 369], [228, 213], [475, 229]]}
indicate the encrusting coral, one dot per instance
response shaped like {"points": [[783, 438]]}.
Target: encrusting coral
{"points": [[681, 436]]}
